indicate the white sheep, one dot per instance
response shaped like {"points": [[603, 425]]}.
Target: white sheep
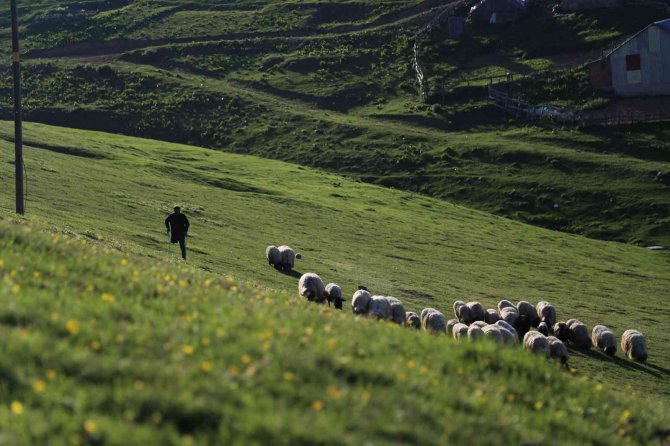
{"points": [[578, 334], [507, 326], [287, 257], [493, 332], [477, 312], [480, 324], [380, 308], [273, 255], [508, 337], [462, 312], [491, 316], [475, 332], [397, 310], [508, 312], [604, 339], [561, 331], [546, 312], [334, 295], [360, 302], [634, 345], [557, 350], [311, 287], [528, 310], [536, 342], [460, 331], [412, 320], [450, 325], [433, 321]]}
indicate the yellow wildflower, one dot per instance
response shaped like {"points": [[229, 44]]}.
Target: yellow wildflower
{"points": [[318, 405], [207, 366], [36, 274], [51, 374], [539, 405], [16, 288], [288, 376], [39, 386], [90, 427], [206, 342], [16, 408], [187, 350], [334, 393], [72, 327], [124, 262], [625, 416], [95, 345], [106, 297], [246, 359]]}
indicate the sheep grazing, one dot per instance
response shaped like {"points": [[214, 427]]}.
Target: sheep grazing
{"points": [[528, 310], [311, 287], [433, 321], [522, 326], [287, 258], [475, 332], [546, 313], [480, 324], [462, 312], [460, 331], [334, 295], [493, 332], [380, 308], [450, 325], [578, 334], [558, 350], [508, 337], [561, 331], [508, 312], [536, 342], [604, 339], [543, 328], [491, 316], [477, 312], [412, 320], [360, 302], [397, 310], [273, 255], [634, 345], [505, 325]]}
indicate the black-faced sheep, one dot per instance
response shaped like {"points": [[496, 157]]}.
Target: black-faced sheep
{"points": [[557, 350], [491, 316], [477, 312], [433, 321], [460, 331], [412, 320], [634, 345], [334, 295], [561, 331], [508, 312], [380, 308], [287, 258], [546, 312], [273, 255], [603, 338], [578, 334], [528, 310], [543, 328], [462, 312], [360, 302], [536, 342], [311, 287]]}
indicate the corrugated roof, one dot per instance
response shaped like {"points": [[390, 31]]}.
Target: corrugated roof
{"points": [[665, 24]]}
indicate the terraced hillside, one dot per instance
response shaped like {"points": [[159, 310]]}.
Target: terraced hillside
{"points": [[331, 85], [116, 191]]}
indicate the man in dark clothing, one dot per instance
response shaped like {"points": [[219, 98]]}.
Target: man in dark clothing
{"points": [[177, 227]]}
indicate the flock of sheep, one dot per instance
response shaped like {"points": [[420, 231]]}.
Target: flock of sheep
{"points": [[508, 324]]}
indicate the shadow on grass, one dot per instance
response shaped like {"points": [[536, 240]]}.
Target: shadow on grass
{"points": [[654, 370], [292, 273]]}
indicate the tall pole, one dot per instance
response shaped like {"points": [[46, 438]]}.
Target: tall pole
{"points": [[18, 127]]}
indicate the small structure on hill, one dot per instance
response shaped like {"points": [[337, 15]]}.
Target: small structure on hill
{"points": [[639, 66], [498, 11]]}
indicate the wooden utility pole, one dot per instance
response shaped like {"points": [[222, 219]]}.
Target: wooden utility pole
{"points": [[18, 125]]}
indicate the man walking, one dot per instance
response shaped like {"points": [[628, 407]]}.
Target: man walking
{"points": [[177, 227]]}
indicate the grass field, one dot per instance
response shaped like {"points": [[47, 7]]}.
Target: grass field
{"points": [[428, 252]]}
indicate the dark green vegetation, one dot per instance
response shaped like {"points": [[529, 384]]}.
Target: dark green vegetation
{"points": [[331, 85], [102, 345]]}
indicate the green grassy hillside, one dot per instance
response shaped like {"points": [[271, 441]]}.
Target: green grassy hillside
{"points": [[428, 252], [331, 85], [102, 348]]}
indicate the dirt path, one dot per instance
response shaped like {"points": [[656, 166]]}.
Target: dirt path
{"points": [[420, 12]]}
